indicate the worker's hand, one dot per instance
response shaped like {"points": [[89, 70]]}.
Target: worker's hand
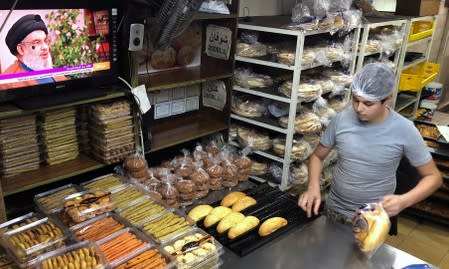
{"points": [[393, 204], [310, 201]]}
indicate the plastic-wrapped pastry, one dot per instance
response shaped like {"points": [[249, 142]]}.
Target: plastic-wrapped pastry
{"points": [[243, 163], [337, 103], [335, 53], [307, 123], [201, 179], [300, 173], [256, 140], [287, 56], [372, 45], [307, 91], [312, 139], [186, 190], [248, 107], [230, 173], [258, 168], [245, 78], [324, 112], [251, 50], [301, 150], [308, 57], [338, 77]]}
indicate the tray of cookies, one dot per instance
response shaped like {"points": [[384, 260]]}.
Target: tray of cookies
{"points": [[51, 201], [13, 142], [26, 243], [107, 182], [99, 227], [110, 110], [126, 194], [19, 222], [150, 257], [122, 244], [85, 205], [141, 210], [81, 255], [193, 248], [167, 225]]}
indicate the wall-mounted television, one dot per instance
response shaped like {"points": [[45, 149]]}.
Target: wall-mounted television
{"points": [[57, 51]]}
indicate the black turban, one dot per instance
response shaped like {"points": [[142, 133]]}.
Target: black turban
{"points": [[21, 28]]}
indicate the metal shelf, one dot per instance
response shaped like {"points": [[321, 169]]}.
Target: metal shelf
{"points": [[415, 62], [268, 155], [261, 122], [419, 41], [264, 62], [405, 100], [268, 93]]}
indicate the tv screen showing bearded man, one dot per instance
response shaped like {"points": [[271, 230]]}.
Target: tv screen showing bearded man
{"points": [[48, 46]]}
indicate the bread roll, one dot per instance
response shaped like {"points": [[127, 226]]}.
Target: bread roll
{"points": [[231, 198], [217, 214], [247, 224], [199, 212], [370, 226], [271, 225], [243, 203], [229, 221]]}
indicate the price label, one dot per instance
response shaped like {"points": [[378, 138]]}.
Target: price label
{"points": [[218, 42]]}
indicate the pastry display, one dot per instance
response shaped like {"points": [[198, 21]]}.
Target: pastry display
{"points": [[242, 227], [19, 222], [121, 245], [141, 211], [199, 212], [307, 123], [165, 226], [370, 226], [86, 205], [201, 179], [186, 190], [427, 130], [243, 203], [217, 214], [78, 256], [271, 225], [232, 197], [110, 110], [126, 195], [136, 166], [97, 229], [229, 221], [106, 182], [150, 259], [51, 201]]}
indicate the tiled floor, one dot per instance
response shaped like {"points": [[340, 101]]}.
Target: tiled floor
{"points": [[425, 240]]}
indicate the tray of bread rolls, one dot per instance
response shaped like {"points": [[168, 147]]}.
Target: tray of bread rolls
{"points": [[256, 217]]}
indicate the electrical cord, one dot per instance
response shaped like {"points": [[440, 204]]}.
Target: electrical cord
{"points": [[9, 14]]}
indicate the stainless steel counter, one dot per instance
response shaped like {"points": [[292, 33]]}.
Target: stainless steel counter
{"points": [[322, 243]]}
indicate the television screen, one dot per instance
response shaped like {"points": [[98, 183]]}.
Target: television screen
{"points": [[44, 51]]}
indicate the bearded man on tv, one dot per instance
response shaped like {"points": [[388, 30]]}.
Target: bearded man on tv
{"points": [[28, 41]]}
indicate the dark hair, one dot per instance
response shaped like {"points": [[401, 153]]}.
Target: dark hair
{"points": [[383, 100]]}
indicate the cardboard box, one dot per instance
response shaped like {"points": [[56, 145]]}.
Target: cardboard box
{"points": [[417, 7]]}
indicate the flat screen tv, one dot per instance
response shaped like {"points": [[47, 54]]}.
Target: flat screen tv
{"points": [[53, 52]]}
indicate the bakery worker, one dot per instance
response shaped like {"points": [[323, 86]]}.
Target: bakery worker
{"points": [[27, 39], [370, 138]]}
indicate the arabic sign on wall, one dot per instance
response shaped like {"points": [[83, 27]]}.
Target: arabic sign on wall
{"points": [[218, 42], [214, 94]]}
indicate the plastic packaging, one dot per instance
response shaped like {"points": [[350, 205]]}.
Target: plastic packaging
{"points": [[248, 106], [167, 225], [85, 205], [374, 82], [248, 45], [51, 201], [110, 110], [301, 150], [107, 182], [254, 139], [19, 222], [136, 166], [243, 164], [154, 256], [307, 123], [127, 194], [215, 171], [201, 179], [258, 168], [205, 249], [246, 78], [214, 6], [300, 174], [187, 190], [183, 165], [324, 112], [168, 189], [141, 211], [99, 227]]}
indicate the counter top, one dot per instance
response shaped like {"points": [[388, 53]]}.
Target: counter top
{"points": [[322, 243]]}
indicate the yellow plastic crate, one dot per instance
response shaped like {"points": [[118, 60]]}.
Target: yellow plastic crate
{"points": [[416, 77], [420, 30]]}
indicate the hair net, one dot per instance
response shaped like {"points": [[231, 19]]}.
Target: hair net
{"points": [[375, 81]]}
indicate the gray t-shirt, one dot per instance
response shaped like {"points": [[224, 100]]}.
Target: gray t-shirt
{"points": [[368, 156]]}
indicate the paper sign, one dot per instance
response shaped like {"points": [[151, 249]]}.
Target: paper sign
{"points": [[218, 41], [214, 94], [444, 131], [140, 94]]}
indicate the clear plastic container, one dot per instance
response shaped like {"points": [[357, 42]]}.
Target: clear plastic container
{"points": [[167, 225], [69, 130], [154, 255], [123, 244], [61, 158], [7, 162], [126, 194], [114, 150], [22, 130], [81, 255], [194, 248], [13, 171], [111, 159], [111, 124], [110, 110], [107, 182], [51, 201], [99, 227], [85, 205], [19, 222], [141, 210], [29, 148], [28, 242], [12, 142], [6, 261], [111, 142], [112, 133]]}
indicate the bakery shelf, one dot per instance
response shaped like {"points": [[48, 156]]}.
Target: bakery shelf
{"points": [[257, 178], [267, 154], [266, 123], [183, 77], [213, 16], [49, 173], [404, 100], [420, 41], [268, 93], [264, 62], [178, 130], [414, 63]]}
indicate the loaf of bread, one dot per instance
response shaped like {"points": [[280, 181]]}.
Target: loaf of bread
{"points": [[199, 212], [370, 226], [247, 224], [243, 203], [271, 225], [229, 221], [217, 214], [231, 198]]}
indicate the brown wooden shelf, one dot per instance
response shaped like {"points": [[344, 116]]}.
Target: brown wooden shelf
{"points": [[49, 173], [183, 77], [213, 16], [179, 130]]}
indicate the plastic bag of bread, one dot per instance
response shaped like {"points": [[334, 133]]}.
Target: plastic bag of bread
{"points": [[199, 153], [230, 173], [324, 112], [186, 190], [307, 123], [248, 106], [249, 46], [167, 189], [246, 78], [258, 168], [184, 165], [136, 166], [201, 179], [300, 173], [300, 149], [215, 171], [254, 139], [307, 90], [370, 226], [243, 164], [321, 55], [338, 77], [276, 171], [312, 139], [338, 103]]}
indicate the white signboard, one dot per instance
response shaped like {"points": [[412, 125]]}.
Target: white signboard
{"points": [[214, 94], [218, 41]]}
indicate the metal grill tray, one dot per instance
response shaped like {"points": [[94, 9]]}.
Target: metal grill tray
{"points": [[271, 202]]}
